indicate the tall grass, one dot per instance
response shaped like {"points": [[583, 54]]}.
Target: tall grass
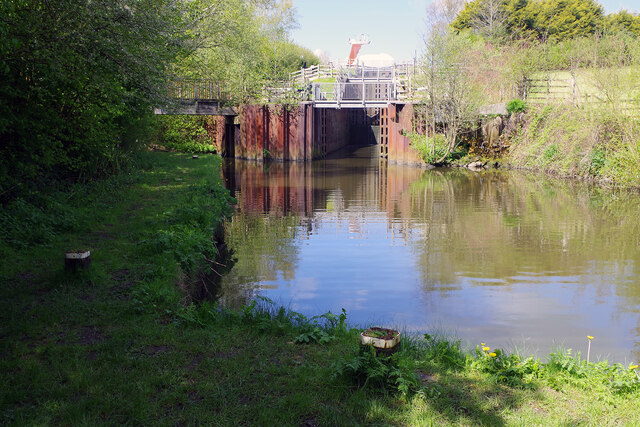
{"points": [[579, 142]]}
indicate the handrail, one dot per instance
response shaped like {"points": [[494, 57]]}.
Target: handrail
{"points": [[394, 72], [353, 85], [360, 93], [197, 89]]}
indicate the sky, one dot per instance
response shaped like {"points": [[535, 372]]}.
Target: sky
{"points": [[393, 26]]}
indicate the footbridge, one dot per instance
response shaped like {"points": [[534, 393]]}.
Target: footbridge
{"points": [[325, 86], [352, 86], [316, 111], [198, 97]]}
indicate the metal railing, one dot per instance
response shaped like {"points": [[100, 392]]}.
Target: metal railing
{"points": [[357, 94], [370, 73], [395, 72], [203, 90], [354, 86]]}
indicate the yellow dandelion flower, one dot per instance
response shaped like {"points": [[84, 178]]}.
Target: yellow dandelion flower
{"points": [[486, 348], [633, 366], [590, 337], [482, 344], [492, 354]]}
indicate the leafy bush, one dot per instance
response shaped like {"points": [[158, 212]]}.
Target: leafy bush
{"points": [[311, 331], [625, 380], [550, 152], [505, 368], [516, 106], [598, 158], [186, 134], [386, 373], [432, 149], [77, 114]]}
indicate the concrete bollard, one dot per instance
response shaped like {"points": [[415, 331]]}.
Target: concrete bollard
{"points": [[77, 259]]}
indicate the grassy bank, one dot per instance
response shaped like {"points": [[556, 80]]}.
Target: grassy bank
{"points": [[579, 142], [125, 343]]}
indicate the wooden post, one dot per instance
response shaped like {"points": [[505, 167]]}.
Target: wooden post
{"points": [[77, 259], [548, 87], [410, 78]]}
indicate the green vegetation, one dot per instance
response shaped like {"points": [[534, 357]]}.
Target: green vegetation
{"points": [[541, 20], [79, 78], [450, 96], [187, 133], [126, 342], [574, 71], [136, 339], [243, 45], [435, 151], [570, 141], [516, 106], [325, 80]]}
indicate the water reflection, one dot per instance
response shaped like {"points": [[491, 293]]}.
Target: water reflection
{"points": [[498, 256]]}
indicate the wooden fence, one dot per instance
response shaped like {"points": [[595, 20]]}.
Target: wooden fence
{"points": [[553, 90]]}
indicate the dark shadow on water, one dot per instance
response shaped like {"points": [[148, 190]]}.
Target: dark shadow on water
{"points": [[354, 152]]}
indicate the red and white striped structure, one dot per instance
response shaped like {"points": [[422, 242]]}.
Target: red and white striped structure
{"points": [[356, 44]]}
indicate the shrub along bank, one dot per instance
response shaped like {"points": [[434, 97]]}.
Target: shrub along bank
{"points": [[579, 142], [186, 133], [125, 342]]}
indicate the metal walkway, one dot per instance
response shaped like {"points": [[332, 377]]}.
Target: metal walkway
{"points": [[362, 94], [325, 86], [354, 86]]}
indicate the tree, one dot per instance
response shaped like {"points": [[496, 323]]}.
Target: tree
{"points": [[543, 19], [519, 21], [489, 19], [243, 45], [441, 13], [451, 98], [623, 21], [566, 19], [77, 79], [228, 48]]}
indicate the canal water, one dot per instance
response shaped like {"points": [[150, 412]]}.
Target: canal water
{"points": [[511, 259]]}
